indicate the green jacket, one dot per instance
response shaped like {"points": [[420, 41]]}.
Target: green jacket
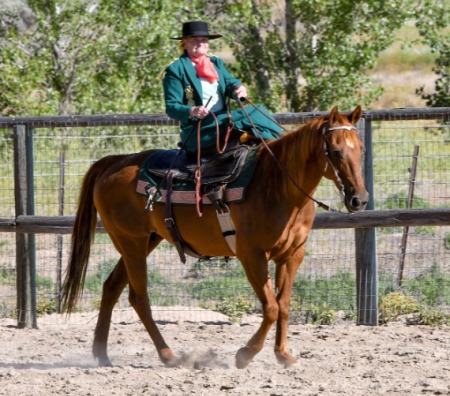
{"points": [[183, 89]]}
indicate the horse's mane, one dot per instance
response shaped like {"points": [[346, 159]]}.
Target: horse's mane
{"points": [[304, 139], [294, 150]]}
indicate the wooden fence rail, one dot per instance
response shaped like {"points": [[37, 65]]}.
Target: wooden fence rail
{"points": [[323, 220]]}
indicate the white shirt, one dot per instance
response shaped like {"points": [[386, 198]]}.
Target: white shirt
{"points": [[210, 91]]}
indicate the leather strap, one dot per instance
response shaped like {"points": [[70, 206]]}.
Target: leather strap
{"points": [[170, 223], [180, 244], [227, 227], [198, 176]]}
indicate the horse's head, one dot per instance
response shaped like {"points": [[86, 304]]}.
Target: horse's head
{"points": [[343, 149]]}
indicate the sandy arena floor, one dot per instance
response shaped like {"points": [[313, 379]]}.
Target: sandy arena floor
{"points": [[55, 359]]}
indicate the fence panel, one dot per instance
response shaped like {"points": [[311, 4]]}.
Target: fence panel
{"points": [[415, 259], [326, 283]]}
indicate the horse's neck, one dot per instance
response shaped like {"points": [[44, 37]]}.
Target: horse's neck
{"points": [[298, 173]]}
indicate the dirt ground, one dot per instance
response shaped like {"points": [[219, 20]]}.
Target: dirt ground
{"points": [[55, 359]]}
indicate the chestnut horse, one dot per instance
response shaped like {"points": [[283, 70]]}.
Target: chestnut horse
{"points": [[272, 223]]}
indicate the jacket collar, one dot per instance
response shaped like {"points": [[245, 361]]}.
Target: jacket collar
{"points": [[191, 73], [194, 80]]}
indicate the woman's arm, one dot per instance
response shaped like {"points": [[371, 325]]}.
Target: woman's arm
{"points": [[232, 84], [174, 97]]}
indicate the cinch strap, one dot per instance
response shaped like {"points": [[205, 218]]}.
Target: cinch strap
{"points": [[228, 231]]}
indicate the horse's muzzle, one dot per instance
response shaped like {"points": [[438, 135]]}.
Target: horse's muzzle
{"points": [[356, 202]]}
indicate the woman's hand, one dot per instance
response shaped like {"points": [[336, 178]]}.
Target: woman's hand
{"points": [[199, 111], [241, 92]]}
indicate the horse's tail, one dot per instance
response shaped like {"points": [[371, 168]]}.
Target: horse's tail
{"points": [[82, 238]]}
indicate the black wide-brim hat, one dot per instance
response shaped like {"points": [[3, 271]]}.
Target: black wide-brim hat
{"points": [[196, 29]]}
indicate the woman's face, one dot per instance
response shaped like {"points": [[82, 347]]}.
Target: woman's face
{"points": [[196, 46]]}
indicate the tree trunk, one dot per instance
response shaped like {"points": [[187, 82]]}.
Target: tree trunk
{"points": [[292, 66]]}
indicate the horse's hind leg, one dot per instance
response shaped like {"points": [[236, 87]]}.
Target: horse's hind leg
{"points": [[112, 289], [136, 266]]}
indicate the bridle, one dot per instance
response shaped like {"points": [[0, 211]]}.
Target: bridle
{"points": [[326, 149]]}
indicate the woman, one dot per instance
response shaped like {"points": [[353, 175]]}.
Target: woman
{"points": [[197, 84]]}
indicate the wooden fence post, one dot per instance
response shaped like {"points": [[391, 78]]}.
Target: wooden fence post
{"points": [[59, 238], [25, 243], [366, 247], [409, 203]]}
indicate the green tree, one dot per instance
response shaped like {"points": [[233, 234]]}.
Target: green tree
{"points": [[312, 53], [83, 57], [87, 57], [432, 21]]}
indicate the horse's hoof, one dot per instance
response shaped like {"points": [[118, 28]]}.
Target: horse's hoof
{"points": [[102, 357], [243, 357], [168, 358], [172, 363], [104, 362], [286, 359]]}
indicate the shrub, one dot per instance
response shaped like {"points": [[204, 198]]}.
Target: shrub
{"points": [[433, 317], [396, 304], [432, 286], [236, 307], [320, 314], [45, 307], [400, 201]]}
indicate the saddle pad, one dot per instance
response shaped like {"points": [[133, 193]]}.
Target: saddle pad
{"points": [[184, 190]]}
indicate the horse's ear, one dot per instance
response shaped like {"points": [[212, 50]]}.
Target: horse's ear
{"points": [[333, 115], [356, 114]]}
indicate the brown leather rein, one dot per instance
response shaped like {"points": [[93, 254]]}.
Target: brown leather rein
{"points": [[220, 150]]}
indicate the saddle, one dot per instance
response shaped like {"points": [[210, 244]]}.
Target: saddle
{"points": [[214, 169], [169, 176]]}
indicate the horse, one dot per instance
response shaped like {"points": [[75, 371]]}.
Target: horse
{"points": [[272, 223]]}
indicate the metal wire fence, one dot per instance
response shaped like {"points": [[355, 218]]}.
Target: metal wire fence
{"points": [[325, 285]]}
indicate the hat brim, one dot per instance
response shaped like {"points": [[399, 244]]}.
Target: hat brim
{"points": [[210, 36]]}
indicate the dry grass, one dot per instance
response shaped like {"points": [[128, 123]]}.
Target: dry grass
{"points": [[399, 88], [401, 69]]}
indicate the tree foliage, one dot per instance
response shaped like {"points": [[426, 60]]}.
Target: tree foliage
{"points": [[88, 57], [316, 53], [433, 24]]}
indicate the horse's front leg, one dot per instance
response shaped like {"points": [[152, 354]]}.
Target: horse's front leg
{"points": [[257, 271], [284, 280]]}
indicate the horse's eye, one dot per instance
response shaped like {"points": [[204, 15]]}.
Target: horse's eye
{"points": [[337, 154]]}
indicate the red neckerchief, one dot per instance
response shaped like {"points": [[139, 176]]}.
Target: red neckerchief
{"points": [[205, 68]]}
